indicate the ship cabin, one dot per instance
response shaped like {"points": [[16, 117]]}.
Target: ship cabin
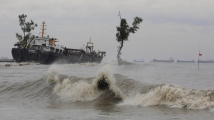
{"points": [[90, 49], [45, 44]]}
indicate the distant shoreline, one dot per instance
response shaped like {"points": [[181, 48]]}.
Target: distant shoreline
{"points": [[9, 60]]}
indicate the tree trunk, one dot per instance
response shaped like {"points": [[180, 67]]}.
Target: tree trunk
{"points": [[119, 53]]}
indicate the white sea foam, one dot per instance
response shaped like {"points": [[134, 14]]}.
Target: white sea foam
{"points": [[78, 91], [173, 96]]}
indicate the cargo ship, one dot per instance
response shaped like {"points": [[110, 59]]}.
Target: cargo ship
{"points": [[185, 61], [167, 61], [139, 60], [43, 50], [205, 61]]}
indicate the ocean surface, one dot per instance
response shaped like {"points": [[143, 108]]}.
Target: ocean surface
{"points": [[134, 91]]}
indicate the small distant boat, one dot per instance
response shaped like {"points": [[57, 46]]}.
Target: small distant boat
{"points": [[167, 61], [205, 61], [185, 61], [139, 60]]}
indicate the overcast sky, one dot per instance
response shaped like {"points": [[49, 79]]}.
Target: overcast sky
{"points": [[170, 28]]}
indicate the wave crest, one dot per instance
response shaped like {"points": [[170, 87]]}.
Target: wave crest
{"points": [[173, 96]]}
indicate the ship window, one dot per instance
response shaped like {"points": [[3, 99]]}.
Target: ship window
{"points": [[57, 50], [61, 51], [43, 44]]}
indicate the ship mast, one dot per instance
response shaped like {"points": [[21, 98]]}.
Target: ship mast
{"points": [[119, 15], [43, 28]]}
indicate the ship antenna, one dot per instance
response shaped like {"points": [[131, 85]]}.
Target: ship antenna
{"points": [[43, 28], [119, 15]]}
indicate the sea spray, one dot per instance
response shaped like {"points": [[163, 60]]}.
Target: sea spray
{"points": [[73, 88], [106, 73]]}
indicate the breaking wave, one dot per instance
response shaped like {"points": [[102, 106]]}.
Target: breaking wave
{"points": [[130, 92]]}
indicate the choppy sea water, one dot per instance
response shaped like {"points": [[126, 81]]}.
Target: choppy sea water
{"points": [[148, 91]]}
